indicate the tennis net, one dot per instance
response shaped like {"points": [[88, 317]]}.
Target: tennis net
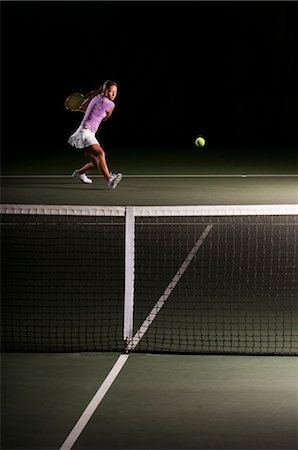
{"points": [[205, 279]]}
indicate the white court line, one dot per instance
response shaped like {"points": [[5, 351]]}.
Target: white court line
{"points": [[90, 409], [161, 301]]}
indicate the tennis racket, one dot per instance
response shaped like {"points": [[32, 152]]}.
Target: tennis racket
{"points": [[74, 101]]}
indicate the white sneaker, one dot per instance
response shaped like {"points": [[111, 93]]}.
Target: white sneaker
{"points": [[82, 177], [114, 180]]}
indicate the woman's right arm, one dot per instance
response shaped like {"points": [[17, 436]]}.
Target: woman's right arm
{"points": [[84, 105]]}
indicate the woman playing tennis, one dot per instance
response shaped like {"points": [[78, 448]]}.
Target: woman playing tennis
{"points": [[97, 107]]}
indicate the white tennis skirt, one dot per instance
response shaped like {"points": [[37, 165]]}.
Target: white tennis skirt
{"points": [[82, 138]]}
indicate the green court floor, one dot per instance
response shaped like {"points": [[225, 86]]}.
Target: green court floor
{"points": [[156, 402], [152, 177], [150, 191]]}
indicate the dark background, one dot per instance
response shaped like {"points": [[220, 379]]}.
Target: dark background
{"points": [[224, 70]]}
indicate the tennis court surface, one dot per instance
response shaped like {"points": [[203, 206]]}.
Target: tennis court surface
{"points": [[160, 315]]}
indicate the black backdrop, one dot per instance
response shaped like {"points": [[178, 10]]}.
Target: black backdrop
{"points": [[226, 70]]}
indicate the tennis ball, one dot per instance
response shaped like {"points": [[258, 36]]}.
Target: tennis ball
{"points": [[200, 141]]}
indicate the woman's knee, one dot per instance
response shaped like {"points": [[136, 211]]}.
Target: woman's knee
{"points": [[101, 152], [95, 150]]}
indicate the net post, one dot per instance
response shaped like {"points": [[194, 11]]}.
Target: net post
{"points": [[129, 275]]}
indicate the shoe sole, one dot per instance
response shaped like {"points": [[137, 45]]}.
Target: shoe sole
{"points": [[116, 181]]}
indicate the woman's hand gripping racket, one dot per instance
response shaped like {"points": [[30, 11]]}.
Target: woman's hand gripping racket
{"points": [[75, 102]]}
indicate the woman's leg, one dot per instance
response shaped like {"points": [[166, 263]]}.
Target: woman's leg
{"points": [[86, 167], [98, 158]]}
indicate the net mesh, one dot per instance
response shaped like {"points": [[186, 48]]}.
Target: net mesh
{"points": [[236, 295], [74, 101], [62, 283], [208, 283]]}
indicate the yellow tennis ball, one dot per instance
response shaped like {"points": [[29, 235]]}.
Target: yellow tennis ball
{"points": [[200, 141]]}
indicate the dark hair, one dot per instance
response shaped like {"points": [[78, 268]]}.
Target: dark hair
{"points": [[107, 84], [102, 89]]}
